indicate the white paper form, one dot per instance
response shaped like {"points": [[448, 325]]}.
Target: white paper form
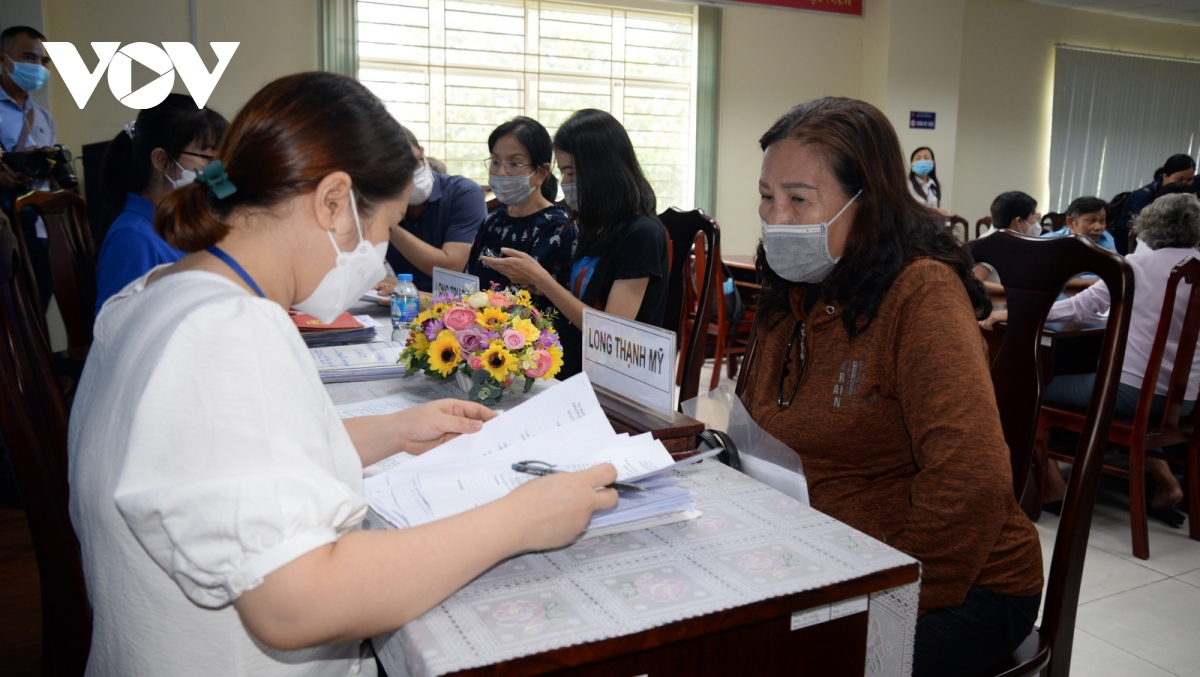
{"points": [[357, 355], [571, 400], [388, 404]]}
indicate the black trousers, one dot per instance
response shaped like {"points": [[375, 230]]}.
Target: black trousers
{"points": [[964, 640]]}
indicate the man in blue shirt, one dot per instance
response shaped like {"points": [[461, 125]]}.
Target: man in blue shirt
{"points": [[1086, 216], [444, 214], [25, 125]]}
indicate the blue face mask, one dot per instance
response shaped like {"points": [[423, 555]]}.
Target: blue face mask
{"points": [[922, 167], [29, 76]]}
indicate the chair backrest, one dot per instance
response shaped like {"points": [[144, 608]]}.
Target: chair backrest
{"points": [[72, 260], [34, 418], [954, 221], [1053, 221], [1034, 272], [686, 230], [1188, 271], [985, 222]]}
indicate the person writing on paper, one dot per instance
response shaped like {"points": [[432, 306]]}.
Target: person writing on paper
{"points": [[215, 492], [620, 263], [149, 158], [528, 221], [443, 215], [870, 365]]}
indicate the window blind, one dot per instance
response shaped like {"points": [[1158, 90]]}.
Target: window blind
{"points": [[452, 70], [1116, 119]]}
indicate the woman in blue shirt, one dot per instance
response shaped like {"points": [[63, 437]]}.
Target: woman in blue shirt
{"points": [[152, 156], [528, 221]]}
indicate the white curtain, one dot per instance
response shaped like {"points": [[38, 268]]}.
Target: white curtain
{"points": [[1117, 118]]}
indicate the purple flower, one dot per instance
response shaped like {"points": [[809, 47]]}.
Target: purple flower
{"points": [[472, 339], [546, 339], [432, 327], [491, 336]]}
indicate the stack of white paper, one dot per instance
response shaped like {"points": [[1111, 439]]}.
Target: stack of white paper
{"points": [[563, 426], [359, 362]]}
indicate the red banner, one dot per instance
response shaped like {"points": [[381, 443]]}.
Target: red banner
{"points": [[853, 7]]}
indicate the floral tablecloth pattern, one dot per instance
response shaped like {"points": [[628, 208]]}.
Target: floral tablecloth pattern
{"points": [[752, 543]]}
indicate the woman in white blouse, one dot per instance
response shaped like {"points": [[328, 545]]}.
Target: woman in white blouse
{"points": [[1170, 230], [216, 494], [923, 181]]}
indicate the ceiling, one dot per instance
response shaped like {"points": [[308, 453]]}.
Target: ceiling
{"points": [[1173, 11]]}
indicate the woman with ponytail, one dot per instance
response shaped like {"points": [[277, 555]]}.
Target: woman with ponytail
{"points": [[148, 159], [216, 493], [528, 220]]}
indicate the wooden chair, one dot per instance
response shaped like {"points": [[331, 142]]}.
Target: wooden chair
{"points": [[689, 232], [985, 222], [954, 221], [72, 262], [1053, 221], [731, 340], [34, 418], [1034, 272], [1140, 435]]}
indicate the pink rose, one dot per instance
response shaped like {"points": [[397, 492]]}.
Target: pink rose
{"points": [[458, 318], [499, 300], [543, 362], [513, 339], [476, 362]]}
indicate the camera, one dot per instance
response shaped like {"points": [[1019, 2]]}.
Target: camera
{"points": [[44, 163]]}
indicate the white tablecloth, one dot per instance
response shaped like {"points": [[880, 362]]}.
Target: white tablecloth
{"points": [[752, 543]]}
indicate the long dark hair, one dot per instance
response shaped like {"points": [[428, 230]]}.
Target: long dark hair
{"points": [[936, 186], [1174, 164], [171, 126], [533, 136], [612, 187], [890, 229], [280, 145]]}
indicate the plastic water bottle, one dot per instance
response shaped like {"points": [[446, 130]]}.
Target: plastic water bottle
{"points": [[406, 305]]}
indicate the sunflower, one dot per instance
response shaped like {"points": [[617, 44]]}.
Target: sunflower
{"points": [[499, 362], [524, 298], [443, 353], [492, 318], [556, 357], [438, 309], [417, 341]]}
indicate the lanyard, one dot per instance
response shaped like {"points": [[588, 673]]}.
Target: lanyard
{"points": [[216, 251]]}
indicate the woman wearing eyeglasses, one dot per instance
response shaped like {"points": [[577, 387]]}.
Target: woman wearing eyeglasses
{"points": [[152, 156], [529, 221], [870, 365]]}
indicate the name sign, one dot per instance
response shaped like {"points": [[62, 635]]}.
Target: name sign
{"points": [[921, 120], [449, 282], [852, 7], [632, 359]]}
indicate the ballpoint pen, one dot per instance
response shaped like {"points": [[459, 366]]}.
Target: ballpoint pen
{"points": [[542, 468]]}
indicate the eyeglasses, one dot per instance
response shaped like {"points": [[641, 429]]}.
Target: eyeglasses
{"points": [[510, 168], [206, 158], [801, 331]]}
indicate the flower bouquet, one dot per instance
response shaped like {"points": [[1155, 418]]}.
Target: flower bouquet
{"points": [[485, 340]]}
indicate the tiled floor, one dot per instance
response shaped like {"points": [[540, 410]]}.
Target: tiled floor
{"points": [[1136, 617]]}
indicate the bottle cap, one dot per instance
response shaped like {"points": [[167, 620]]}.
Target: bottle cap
{"points": [[404, 277]]}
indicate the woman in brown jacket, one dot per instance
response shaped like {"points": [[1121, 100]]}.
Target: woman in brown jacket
{"points": [[871, 366]]}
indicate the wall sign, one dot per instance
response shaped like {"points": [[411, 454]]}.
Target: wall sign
{"points": [[631, 359], [449, 282], [921, 120], [852, 7]]}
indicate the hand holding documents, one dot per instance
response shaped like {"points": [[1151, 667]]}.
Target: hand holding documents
{"points": [[564, 427]]}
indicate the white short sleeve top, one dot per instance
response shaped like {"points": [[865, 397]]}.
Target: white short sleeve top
{"points": [[204, 454]]}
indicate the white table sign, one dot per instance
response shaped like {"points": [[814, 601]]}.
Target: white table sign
{"points": [[632, 359], [449, 282]]}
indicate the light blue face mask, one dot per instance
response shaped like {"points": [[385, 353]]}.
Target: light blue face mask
{"points": [[29, 76], [922, 167]]}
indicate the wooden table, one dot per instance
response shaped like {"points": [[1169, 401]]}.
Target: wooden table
{"points": [[739, 261]]}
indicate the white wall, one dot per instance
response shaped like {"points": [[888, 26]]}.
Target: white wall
{"points": [[771, 60]]}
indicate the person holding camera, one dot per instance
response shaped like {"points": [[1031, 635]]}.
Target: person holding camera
{"points": [[160, 151], [25, 125]]}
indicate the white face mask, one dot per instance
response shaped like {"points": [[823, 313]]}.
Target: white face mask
{"points": [[571, 195], [1033, 229], [511, 190], [186, 176], [353, 274], [801, 253], [422, 185]]}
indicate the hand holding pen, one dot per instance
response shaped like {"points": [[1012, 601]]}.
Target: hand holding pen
{"points": [[543, 468]]}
